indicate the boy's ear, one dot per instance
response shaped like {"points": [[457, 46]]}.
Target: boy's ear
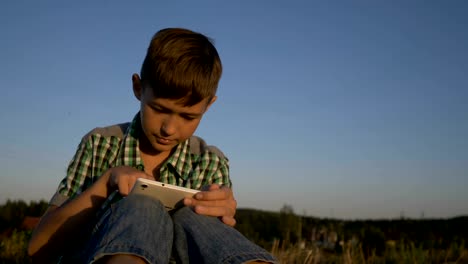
{"points": [[137, 88], [211, 102]]}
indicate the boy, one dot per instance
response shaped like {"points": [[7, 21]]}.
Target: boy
{"points": [[88, 221]]}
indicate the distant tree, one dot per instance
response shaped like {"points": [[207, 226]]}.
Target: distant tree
{"points": [[12, 213], [37, 209], [259, 226], [290, 224]]}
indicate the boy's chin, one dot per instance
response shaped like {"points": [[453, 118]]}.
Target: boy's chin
{"points": [[160, 148]]}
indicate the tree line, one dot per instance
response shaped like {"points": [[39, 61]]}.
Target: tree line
{"points": [[265, 227], [373, 236], [12, 213]]}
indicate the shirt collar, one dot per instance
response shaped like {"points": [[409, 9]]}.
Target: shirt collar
{"points": [[180, 160]]}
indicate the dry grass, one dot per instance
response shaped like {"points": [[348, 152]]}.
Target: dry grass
{"points": [[13, 250], [294, 254]]}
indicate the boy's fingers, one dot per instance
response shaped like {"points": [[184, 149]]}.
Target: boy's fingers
{"points": [[210, 187], [147, 176], [230, 221], [230, 204], [123, 187], [214, 203], [221, 193], [214, 186], [126, 183], [218, 211]]}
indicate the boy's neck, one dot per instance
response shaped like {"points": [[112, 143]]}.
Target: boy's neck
{"points": [[152, 159], [153, 163]]}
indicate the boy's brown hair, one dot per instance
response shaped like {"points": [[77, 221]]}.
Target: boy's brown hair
{"points": [[181, 64]]}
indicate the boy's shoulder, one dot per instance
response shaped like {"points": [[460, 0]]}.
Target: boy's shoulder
{"points": [[198, 146], [117, 130]]}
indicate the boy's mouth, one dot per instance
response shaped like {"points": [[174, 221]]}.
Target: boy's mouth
{"points": [[163, 141]]}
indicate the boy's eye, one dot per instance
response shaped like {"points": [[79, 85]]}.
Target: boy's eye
{"points": [[188, 118], [158, 109]]}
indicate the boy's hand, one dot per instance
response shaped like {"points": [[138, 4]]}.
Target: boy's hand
{"points": [[123, 178], [216, 201]]}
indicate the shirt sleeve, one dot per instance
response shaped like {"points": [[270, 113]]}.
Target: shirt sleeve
{"points": [[78, 173], [221, 174]]}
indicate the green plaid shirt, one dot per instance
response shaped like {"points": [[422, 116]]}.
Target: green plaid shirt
{"points": [[192, 164]]}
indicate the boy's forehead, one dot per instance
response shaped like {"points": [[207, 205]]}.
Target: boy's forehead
{"points": [[150, 95], [178, 105]]}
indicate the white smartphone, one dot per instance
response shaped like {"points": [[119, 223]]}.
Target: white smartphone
{"points": [[171, 196]]}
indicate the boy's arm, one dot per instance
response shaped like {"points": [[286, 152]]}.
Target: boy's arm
{"points": [[61, 226]]}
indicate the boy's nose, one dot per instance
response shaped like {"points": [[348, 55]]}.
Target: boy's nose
{"points": [[169, 127]]}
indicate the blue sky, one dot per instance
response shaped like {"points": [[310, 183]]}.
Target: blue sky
{"points": [[348, 109]]}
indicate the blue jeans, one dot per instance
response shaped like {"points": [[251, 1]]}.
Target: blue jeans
{"points": [[141, 226]]}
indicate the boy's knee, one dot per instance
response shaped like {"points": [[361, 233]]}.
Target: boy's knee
{"points": [[121, 258], [186, 216], [183, 213], [141, 201]]}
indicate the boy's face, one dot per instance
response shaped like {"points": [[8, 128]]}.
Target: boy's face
{"points": [[166, 122]]}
